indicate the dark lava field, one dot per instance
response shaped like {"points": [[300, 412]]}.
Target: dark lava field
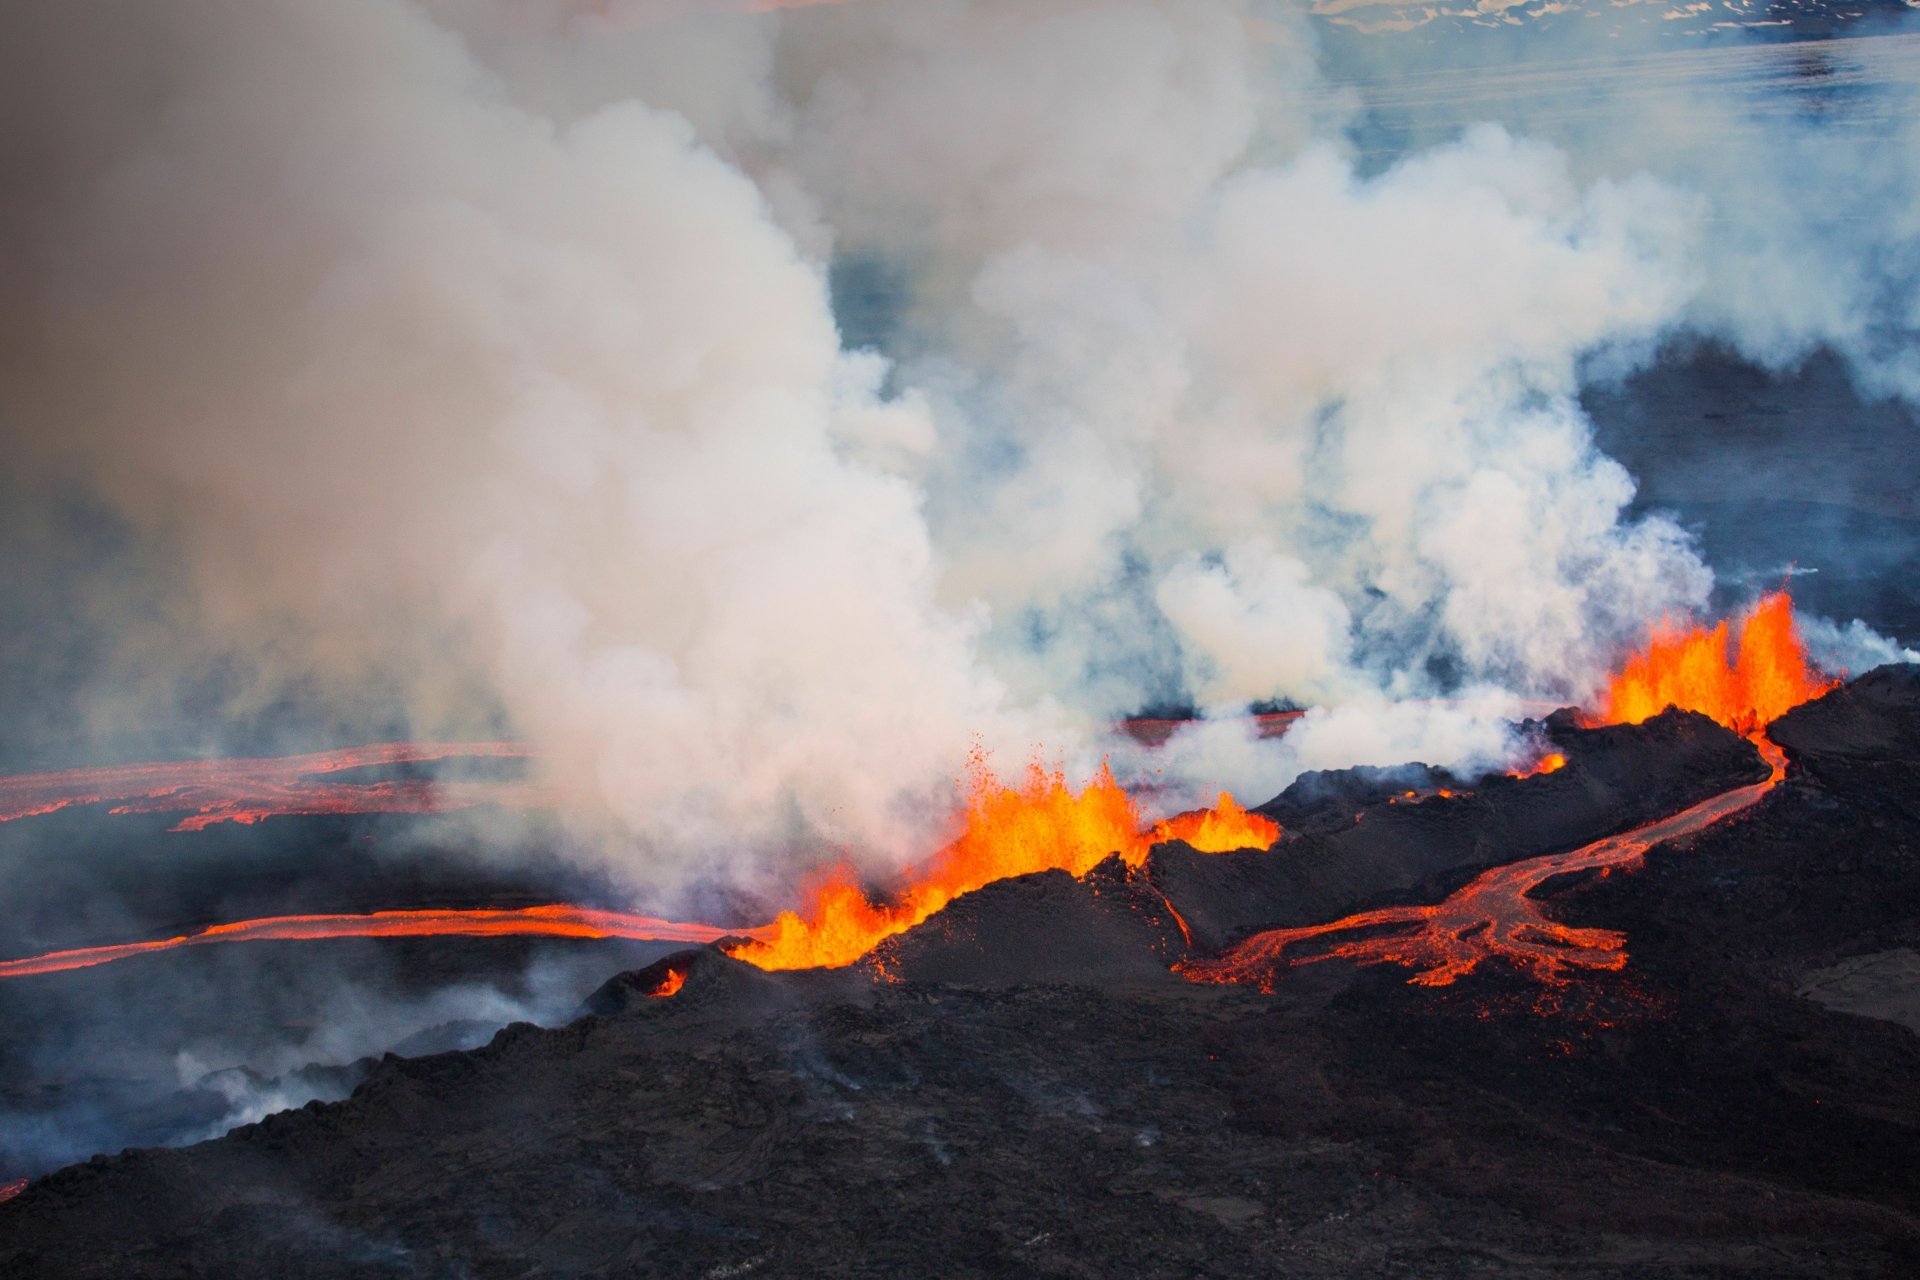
{"points": [[1021, 1086]]}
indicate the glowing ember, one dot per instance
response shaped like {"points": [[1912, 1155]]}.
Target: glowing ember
{"points": [[1495, 915], [1415, 797], [1041, 825], [8, 1190], [1552, 762], [214, 791], [1767, 676], [557, 920]]}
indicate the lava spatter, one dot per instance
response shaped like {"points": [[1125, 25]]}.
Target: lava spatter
{"points": [[1744, 684], [1043, 824]]}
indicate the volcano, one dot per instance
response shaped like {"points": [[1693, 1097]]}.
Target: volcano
{"points": [[1341, 1051]]}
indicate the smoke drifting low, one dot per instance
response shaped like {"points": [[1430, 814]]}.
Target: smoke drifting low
{"points": [[486, 355]]}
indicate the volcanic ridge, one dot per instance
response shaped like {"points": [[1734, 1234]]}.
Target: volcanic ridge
{"points": [[1030, 1082]]}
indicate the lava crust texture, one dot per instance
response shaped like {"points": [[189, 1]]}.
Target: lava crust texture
{"points": [[1020, 1086]]}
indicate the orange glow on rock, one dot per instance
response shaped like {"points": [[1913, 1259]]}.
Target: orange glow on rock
{"points": [[669, 985], [1744, 686], [1552, 762]]}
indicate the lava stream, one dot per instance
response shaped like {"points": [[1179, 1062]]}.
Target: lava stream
{"points": [[1009, 831], [1495, 915], [8, 1190], [556, 920], [248, 790], [1743, 687]]}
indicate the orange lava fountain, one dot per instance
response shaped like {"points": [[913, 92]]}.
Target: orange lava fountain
{"points": [[1041, 825], [214, 791], [1767, 676], [553, 921], [1222, 829]]}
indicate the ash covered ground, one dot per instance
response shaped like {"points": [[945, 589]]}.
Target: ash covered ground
{"points": [[1021, 1086]]}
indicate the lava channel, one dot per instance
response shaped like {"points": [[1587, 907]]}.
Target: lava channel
{"points": [[555, 920], [1696, 669], [1041, 825], [1495, 915], [248, 790]]}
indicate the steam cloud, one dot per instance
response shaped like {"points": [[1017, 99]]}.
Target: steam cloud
{"points": [[487, 353]]}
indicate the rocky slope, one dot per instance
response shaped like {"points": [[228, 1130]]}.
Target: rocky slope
{"points": [[1021, 1087]]}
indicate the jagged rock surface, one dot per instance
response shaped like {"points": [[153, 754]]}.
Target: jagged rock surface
{"points": [[1693, 1116]]}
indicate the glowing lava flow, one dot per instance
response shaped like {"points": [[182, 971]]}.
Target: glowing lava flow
{"points": [[1041, 825], [1009, 831], [213, 791], [8, 1190], [1495, 915], [553, 921], [1767, 676]]}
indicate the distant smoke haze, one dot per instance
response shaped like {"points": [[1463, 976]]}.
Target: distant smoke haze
{"points": [[484, 357]]}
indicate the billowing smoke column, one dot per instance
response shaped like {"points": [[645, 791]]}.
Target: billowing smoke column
{"points": [[487, 353]]}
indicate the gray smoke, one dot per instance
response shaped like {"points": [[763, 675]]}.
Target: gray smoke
{"points": [[487, 354]]}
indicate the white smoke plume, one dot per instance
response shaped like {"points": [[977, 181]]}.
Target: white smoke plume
{"points": [[490, 347]]}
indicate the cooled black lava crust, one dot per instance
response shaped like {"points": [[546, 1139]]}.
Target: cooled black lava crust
{"points": [[1033, 1093]]}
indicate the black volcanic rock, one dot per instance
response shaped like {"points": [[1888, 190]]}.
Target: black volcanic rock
{"points": [[1040, 1110], [1324, 801], [1824, 869], [1874, 718], [1105, 928], [709, 978], [1616, 777]]}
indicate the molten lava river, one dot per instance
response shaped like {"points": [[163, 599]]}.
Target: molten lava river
{"points": [[1043, 824], [1040, 824], [1765, 676], [215, 791]]}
